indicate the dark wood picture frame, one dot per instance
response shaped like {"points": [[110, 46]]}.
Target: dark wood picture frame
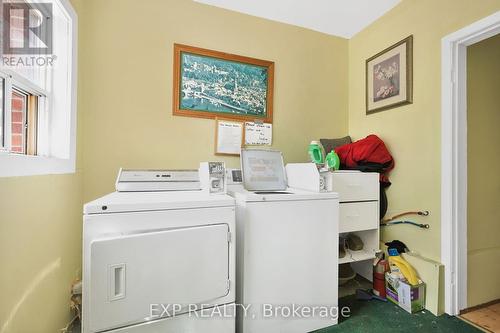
{"points": [[177, 109], [408, 82]]}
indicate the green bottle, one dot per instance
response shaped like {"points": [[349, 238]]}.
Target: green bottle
{"points": [[317, 152], [333, 161]]}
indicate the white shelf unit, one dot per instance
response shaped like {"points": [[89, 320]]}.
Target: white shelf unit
{"points": [[353, 256], [359, 214]]}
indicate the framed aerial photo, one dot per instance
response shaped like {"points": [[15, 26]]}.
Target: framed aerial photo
{"points": [[211, 84], [389, 77]]}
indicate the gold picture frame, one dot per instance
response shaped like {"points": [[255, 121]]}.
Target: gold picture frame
{"points": [[389, 77]]}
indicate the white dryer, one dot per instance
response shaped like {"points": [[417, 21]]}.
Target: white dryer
{"points": [[151, 257]]}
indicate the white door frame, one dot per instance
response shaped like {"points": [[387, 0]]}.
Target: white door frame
{"points": [[454, 156]]}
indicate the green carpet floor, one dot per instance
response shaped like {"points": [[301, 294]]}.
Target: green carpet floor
{"points": [[377, 316]]}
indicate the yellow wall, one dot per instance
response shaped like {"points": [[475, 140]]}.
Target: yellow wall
{"points": [[40, 241], [128, 118], [483, 188], [411, 132], [40, 247]]}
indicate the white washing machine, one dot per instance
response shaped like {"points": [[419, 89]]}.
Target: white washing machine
{"points": [[151, 260], [287, 249], [287, 259]]}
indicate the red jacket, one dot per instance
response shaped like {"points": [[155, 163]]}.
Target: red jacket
{"points": [[368, 154]]}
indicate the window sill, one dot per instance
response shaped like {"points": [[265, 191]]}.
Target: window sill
{"points": [[14, 165]]}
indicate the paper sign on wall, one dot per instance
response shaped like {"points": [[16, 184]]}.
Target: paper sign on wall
{"points": [[229, 136], [258, 133]]}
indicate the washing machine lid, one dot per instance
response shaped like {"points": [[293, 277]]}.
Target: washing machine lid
{"points": [[240, 194], [120, 202]]}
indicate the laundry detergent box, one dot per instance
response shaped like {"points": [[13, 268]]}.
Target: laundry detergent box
{"points": [[409, 297]]}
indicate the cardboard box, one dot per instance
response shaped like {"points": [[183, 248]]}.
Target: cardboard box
{"points": [[410, 298]]}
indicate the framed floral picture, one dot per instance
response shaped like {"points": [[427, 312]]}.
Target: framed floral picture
{"points": [[389, 77]]}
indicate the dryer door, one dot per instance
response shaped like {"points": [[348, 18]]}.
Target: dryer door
{"points": [[132, 274]]}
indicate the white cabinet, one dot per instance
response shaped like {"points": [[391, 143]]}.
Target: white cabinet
{"points": [[355, 186], [359, 214]]}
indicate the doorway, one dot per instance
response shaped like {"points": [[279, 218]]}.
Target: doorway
{"points": [[483, 184], [454, 157]]}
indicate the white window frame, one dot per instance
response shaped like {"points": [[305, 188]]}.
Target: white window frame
{"points": [[60, 126], [14, 81]]}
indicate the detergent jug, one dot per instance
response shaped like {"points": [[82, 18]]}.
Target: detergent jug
{"points": [[317, 152]]}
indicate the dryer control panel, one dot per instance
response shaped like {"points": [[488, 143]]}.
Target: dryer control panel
{"points": [[157, 180]]}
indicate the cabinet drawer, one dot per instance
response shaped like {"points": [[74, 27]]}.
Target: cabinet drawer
{"points": [[358, 216], [355, 186]]}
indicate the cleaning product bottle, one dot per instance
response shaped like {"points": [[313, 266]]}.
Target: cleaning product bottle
{"points": [[333, 161], [404, 267], [317, 152]]}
